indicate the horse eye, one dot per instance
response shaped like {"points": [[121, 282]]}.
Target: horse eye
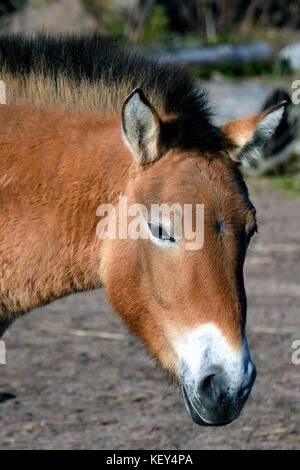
{"points": [[158, 231]]}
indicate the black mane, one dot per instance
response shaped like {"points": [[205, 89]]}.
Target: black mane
{"points": [[173, 89]]}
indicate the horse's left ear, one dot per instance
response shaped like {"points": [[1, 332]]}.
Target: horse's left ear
{"points": [[250, 134], [141, 128]]}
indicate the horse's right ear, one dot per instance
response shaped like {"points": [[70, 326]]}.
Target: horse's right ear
{"points": [[141, 128]]}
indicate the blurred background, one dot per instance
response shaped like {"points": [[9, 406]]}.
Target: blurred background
{"points": [[80, 391]]}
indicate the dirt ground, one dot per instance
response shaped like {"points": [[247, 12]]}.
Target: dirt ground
{"points": [[64, 391]]}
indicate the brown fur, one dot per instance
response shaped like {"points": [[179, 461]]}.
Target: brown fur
{"points": [[56, 168], [49, 195]]}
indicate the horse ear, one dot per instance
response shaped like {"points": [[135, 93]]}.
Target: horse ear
{"points": [[141, 128], [250, 134]]}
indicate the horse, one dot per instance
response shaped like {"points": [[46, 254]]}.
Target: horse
{"points": [[150, 138]]}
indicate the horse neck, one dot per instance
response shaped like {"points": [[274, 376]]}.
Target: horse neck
{"points": [[63, 168], [101, 176]]}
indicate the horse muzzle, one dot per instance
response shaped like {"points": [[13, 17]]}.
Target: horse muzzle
{"points": [[212, 399]]}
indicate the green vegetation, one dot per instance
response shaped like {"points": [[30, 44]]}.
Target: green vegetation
{"points": [[114, 23], [272, 70], [110, 21], [157, 28], [39, 3], [288, 184]]}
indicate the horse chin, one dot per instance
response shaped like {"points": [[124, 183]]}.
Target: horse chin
{"points": [[195, 414]]}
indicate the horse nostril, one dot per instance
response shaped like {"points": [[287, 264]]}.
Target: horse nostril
{"points": [[209, 388], [207, 385]]}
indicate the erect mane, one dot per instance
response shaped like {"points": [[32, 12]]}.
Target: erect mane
{"points": [[92, 72]]}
